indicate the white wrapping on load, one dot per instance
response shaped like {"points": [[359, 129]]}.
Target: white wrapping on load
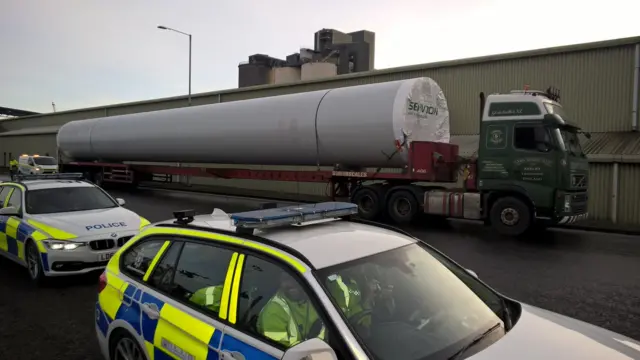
{"points": [[358, 125]]}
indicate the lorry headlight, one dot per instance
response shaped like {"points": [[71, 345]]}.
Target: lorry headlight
{"points": [[567, 203], [62, 245]]}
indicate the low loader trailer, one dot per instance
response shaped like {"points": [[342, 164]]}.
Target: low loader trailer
{"points": [[528, 170]]}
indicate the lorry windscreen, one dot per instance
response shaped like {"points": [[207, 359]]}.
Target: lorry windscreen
{"points": [[45, 160], [67, 199], [571, 141]]}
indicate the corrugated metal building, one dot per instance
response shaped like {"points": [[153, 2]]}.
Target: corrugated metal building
{"points": [[596, 82]]}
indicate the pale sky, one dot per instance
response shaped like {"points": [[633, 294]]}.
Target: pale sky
{"points": [[83, 53]]}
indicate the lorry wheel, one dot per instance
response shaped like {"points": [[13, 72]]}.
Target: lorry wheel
{"points": [[97, 179], [368, 202], [402, 207], [510, 216]]}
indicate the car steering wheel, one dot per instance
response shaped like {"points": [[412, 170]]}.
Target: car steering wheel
{"points": [[355, 319]]}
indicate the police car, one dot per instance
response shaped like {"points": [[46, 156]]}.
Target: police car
{"points": [[59, 224], [262, 285]]}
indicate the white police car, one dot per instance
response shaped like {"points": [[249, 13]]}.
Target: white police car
{"points": [[308, 284], [59, 224]]}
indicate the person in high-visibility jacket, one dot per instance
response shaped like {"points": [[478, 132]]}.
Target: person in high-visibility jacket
{"points": [[13, 167], [289, 316], [350, 298], [209, 297]]}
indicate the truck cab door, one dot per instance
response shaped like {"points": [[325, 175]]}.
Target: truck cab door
{"points": [[533, 166]]}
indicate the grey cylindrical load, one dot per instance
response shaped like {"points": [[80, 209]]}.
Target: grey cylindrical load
{"points": [[356, 125]]}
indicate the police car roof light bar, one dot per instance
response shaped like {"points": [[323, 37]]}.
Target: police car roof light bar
{"points": [[60, 176], [184, 217], [291, 215]]}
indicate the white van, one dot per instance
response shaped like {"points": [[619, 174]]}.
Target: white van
{"points": [[36, 164]]}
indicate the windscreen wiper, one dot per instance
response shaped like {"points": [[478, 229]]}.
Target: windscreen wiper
{"points": [[473, 342]]}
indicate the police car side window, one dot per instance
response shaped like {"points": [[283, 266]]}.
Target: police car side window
{"points": [[137, 259], [164, 272], [15, 199], [4, 191], [199, 276], [274, 307]]}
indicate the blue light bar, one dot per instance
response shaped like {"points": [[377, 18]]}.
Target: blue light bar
{"points": [[58, 176], [291, 215]]}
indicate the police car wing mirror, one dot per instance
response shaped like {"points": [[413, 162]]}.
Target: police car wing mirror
{"points": [[472, 273], [9, 211], [121, 201], [312, 349]]}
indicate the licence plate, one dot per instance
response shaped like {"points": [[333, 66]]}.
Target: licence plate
{"points": [[105, 257]]}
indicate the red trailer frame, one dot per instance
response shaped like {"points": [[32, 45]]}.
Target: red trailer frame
{"points": [[427, 162]]}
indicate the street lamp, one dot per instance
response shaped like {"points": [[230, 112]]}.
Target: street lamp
{"points": [[189, 35]]}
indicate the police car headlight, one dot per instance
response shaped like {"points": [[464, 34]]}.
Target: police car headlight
{"points": [[62, 245]]}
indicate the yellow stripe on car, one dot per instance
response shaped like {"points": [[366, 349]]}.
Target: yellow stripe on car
{"points": [[235, 290], [224, 303], [156, 259], [111, 296], [143, 222], [55, 233], [177, 327]]}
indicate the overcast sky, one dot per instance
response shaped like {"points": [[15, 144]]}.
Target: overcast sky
{"points": [[82, 53]]}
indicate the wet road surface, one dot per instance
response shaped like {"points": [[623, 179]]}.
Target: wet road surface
{"points": [[591, 276]]}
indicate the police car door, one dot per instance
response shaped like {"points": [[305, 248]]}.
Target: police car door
{"points": [[137, 262], [4, 193], [15, 235], [183, 300], [256, 281]]}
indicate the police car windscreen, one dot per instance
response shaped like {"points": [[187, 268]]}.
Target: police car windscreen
{"points": [[67, 199], [406, 304], [45, 160]]}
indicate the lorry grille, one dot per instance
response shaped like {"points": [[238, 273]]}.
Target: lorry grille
{"points": [[578, 198], [579, 209], [123, 240], [102, 244], [579, 181]]}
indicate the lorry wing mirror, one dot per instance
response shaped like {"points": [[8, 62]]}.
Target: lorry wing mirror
{"points": [[312, 349], [544, 146], [10, 211]]}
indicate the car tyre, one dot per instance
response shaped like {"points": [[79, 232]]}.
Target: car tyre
{"points": [[34, 263], [125, 347]]}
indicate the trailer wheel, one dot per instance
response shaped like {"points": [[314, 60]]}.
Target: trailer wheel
{"points": [[368, 201], [402, 207], [510, 216]]}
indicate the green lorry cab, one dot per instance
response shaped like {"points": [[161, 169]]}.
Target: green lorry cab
{"points": [[530, 163]]}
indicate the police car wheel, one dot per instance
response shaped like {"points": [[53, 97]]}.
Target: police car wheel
{"points": [[33, 262], [126, 348]]}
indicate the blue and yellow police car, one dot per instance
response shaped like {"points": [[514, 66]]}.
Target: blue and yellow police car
{"points": [[310, 283], [60, 224]]}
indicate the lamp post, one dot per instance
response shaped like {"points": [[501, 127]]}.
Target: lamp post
{"points": [[189, 35]]}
